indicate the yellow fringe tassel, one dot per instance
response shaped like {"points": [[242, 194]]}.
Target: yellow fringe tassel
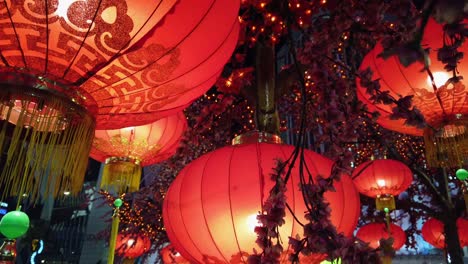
{"points": [[113, 236], [121, 175], [447, 147], [47, 139]]}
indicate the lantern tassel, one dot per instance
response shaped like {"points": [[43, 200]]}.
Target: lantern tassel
{"points": [[113, 236], [47, 139], [446, 147], [121, 175]]}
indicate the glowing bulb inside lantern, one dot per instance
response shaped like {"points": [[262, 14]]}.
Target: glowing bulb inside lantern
{"points": [[130, 242], [440, 78], [381, 183], [252, 222]]}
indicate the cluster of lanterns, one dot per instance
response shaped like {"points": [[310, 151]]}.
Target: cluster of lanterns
{"points": [[114, 84], [126, 68]]}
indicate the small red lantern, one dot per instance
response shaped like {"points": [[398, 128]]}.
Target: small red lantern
{"points": [[373, 232], [211, 207], [169, 255], [132, 246], [433, 232], [444, 106], [126, 150], [382, 179]]}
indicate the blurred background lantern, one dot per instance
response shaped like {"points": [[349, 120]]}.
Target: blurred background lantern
{"points": [[210, 210], [372, 233], [68, 66], [8, 251], [169, 255], [433, 232], [126, 150], [382, 180], [132, 246], [441, 103]]}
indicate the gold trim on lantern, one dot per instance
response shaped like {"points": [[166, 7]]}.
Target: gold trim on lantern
{"points": [[385, 201], [256, 137], [448, 146], [121, 175], [47, 139]]}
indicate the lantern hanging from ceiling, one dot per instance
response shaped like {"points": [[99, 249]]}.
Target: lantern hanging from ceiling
{"points": [[169, 255], [433, 232], [372, 233], [132, 246], [126, 150], [210, 209], [382, 179], [443, 107], [70, 66]]}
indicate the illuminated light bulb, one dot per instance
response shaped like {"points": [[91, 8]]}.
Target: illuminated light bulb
{"points": [[252, 222], [381, 183], [440, 78], [130, 242]]}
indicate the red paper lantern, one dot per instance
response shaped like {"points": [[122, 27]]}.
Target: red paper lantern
{"points": [[210, 209], [377, 177], [382, 179], [373, 232], [126, 150], [444, 110], [149, 144], [130, 246], [433, 232], [72, 66], [170, 256], [130, 62]]}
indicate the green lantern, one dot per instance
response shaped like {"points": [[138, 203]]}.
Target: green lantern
{"points": [[462, 174], [14, 224]]}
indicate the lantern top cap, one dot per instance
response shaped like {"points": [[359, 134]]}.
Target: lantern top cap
{"points": [[122, 159], [256, 137]]}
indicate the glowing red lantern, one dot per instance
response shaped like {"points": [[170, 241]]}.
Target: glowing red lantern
{"points": [[433, 232], [444, 108], [170, 256], [382, 179], [373, 232], [210, 209], [105, 64], [126, 150], [131, 247]]}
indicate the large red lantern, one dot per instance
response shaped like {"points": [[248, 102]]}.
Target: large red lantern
{"points": [[69, 66], [433, 232], [382, 179], [210, 209], [132, 246], [372, 233], [126, 150], [443, 107]]}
